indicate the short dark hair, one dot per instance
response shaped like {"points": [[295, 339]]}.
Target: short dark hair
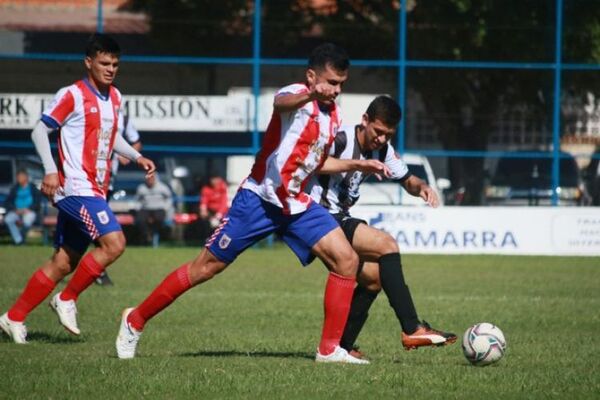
{"points": [[385, 109], [329, 54], [101, 43], [22, 171]]}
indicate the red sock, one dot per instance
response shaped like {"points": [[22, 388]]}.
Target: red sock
{"points": [[36, 290], [85, 274], [338, 296], [174, 285]]}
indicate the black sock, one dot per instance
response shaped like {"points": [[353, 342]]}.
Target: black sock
{"points": [[392, 281], [359, 311]]}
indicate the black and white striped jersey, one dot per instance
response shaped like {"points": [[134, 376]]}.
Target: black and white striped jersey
{"points": [[339, 192]]}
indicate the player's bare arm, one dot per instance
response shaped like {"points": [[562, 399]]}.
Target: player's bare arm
{"points": [[334, 165], [418, 187], [291, 101], [322, 92]]}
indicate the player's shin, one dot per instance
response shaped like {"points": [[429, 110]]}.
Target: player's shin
{"points": [[37, 289], [85, 274], [173, 286], [359, 312], [394, 286], [338, 296]]}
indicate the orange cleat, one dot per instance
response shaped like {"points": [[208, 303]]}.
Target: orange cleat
{"points": [[425, 335]]}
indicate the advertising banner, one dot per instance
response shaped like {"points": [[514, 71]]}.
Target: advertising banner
{"points": [[156, 113], [573, 231]]}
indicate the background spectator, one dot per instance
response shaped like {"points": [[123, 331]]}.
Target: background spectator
{"points": [[156, 208], [22, 204], [213, 204]]}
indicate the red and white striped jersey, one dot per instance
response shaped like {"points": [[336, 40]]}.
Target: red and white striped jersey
{"points": [[87, 122], [295, 146]]}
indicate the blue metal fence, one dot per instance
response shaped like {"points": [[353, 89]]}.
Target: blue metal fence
{"points": [[256, 62]]}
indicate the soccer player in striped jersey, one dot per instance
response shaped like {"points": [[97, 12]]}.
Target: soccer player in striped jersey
{"points": [[86, 115], [337, 191], [272, 199]]}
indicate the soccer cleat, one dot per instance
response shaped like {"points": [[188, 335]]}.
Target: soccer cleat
{"points": [[339, 355], [103, 279], [356, 353], [128, 338], [425, 335], [66, 312], [16, 330]]}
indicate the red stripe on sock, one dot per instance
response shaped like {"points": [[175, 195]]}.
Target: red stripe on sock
{"points": [[85, 274], [36, 290], [338, 297], [174, 285]]}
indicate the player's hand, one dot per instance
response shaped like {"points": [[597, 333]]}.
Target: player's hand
{"points": [[375, 167], [323, 92], [430, 196], [50, 185], [147, 165]]}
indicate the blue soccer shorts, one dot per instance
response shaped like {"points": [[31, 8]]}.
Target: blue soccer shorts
{"points": [[251, 219], [81, 220]]}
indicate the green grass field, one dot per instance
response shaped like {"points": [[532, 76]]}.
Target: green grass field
{"points": [[252, 332]]}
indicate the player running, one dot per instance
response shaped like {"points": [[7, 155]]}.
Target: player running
{"points": [[296, 143], [86, 115], [378, 250]]}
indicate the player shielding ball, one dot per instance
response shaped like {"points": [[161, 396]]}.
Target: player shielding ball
{"points": [[272, 199], [338, 191], [86, 114]]}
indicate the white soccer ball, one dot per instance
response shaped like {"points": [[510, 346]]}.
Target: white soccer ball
{"points": [[483, 344]]}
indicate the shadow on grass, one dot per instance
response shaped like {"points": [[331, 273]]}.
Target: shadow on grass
{"points": [[233, 353], [42, 337]]}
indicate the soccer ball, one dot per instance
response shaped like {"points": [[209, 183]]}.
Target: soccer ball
{"points": [[483, 344]]}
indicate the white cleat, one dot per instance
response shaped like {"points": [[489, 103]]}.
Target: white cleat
{"points": [[339, 355], [16, 330], [67, 313], [128, 338]]}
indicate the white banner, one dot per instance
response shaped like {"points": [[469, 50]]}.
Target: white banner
{"points": [[156, 113], [573, 231]]}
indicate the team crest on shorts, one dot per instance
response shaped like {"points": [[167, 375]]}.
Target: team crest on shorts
{"points": [[103, 217], [224, 241]]}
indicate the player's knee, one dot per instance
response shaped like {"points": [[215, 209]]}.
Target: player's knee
{"points": [[347, 264], [388, 245], [115, 247], [62, 267]]}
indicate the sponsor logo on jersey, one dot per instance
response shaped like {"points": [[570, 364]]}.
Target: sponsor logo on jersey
{"points": [[103, 217], [93, 110], [224, 241]]}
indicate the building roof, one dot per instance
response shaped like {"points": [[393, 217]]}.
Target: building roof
{"points": [[70, 16]]}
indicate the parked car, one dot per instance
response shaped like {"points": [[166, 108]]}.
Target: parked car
{"points": [[528, 182], [387, 192]]}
